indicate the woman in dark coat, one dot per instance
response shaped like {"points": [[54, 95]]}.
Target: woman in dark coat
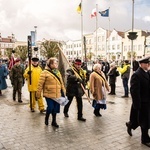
{"points": [[112, 74], [3, 76]]}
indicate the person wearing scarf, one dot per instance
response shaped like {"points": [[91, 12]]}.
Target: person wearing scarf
{"points": [[98, 87], [75, 77], [52, 86]]}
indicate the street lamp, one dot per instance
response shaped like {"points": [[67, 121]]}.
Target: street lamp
{"points": [[132, 36]]}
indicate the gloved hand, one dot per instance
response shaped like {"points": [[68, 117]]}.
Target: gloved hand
{"points": [[29, 72], [79, 80]]}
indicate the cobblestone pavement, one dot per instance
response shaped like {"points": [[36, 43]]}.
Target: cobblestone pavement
{"points": [[21, 129]]}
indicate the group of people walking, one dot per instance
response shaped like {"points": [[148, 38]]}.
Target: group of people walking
{"points": [[48, 83]]}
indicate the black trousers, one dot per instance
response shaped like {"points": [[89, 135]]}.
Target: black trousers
{"points": [[113, 87], [79, 105]]}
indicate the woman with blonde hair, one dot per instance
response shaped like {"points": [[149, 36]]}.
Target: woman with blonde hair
{"points": [[98, 87], [52, 85]]}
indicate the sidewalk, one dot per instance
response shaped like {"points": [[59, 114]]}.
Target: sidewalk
{"points": [[21, 129]]}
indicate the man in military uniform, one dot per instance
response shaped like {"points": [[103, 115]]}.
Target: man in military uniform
{"points": [[17, 79], [140, 110], [75, 77]]}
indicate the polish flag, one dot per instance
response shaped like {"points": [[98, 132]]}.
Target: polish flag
{"points": [[93, 14], [11, 62]]}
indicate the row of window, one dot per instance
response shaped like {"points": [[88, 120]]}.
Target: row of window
{"points": [[6, 45]]}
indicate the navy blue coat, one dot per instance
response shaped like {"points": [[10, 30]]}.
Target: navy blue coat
{"points": [[3, 75]]}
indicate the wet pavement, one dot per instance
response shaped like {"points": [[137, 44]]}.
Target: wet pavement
{"points": [[20, 129]]}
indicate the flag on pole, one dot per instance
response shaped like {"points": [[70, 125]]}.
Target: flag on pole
{"points": [[32, 38], [93, 14], [79, 8], [11, 62], [104, 13]]}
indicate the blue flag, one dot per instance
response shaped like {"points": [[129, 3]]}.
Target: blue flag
{"points": [[32, 38], [104, 13]]}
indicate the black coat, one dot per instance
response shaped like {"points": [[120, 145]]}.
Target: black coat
{"points": [[73, 85], [112, 76], [140, 93]]}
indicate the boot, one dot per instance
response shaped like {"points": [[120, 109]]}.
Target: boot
{"points": [[0, 93], [97, 113], [46, 118], [54, 124]]}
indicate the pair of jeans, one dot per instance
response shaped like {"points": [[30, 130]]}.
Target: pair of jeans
{"points": [[125, 85]]}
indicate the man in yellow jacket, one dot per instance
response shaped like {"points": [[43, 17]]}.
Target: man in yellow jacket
{"points": [[35, 75], [125, 74]]}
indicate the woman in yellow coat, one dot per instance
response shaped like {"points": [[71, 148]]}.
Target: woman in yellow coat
{"points": [[35, 75], [52, 86], [98, 87]]}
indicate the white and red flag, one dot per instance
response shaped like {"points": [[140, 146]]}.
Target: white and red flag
{"points": [[94, 13], [11, 62]]}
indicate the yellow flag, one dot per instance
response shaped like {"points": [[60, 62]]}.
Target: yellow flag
{"points": [[79, 8]]}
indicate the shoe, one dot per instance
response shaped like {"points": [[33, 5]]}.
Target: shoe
{"points": [[82, 119], [97, 114], [46, 121], [129, 128], [109, 93], [124, 96], [32, 110], [20, 101], [66, 115], [54, 124], [14, 99], [42, 111], [146, 144]]}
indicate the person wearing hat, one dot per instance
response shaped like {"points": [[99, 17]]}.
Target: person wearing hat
{"points": [[35, 75], [17, 79], [3, 76], [140, 109], [75, 77], [112, 74], [125, 74]]}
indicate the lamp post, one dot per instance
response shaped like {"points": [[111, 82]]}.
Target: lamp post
{"points": [[132, 36]]}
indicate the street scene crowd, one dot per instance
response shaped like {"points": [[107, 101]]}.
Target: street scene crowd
{"points": [[47, 83]]}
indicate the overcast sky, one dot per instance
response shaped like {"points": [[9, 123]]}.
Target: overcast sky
{"points": [[58, 19]]}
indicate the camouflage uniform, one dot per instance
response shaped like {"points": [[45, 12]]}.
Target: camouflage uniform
{"points": [[17, 80]]}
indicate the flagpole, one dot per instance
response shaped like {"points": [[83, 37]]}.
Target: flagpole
{"points": [[109, 35], [81, 30], [96, 27]]}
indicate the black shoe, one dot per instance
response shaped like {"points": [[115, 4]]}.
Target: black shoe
{"points": [[32, 110], [54, 124], [146, 144], [14, 99], [129, 128], [109, 93], [42, 111], [82, 119], [20, 101], [46, 121], [97, 114], [66, 115], [124, 96]]}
